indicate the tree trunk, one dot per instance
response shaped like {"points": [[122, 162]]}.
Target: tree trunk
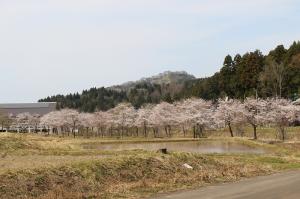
{"points": [[102, 131], [137, 131], [98, 132], [282, 131], [166, 130], [87, 132], [122, 132], [145, 129], [230, 130], [184, 132], [201, 131], [155, 132], [254, 132]]}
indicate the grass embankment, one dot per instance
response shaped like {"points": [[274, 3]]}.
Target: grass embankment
{"points": [[74, 172], [263, 133], [135, 176]]}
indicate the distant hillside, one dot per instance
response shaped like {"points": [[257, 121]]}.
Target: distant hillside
{"points": [[164, 78], [276, 74], [165, 86]]}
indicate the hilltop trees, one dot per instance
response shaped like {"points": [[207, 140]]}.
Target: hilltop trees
{"points": [[273, 77], [253, 74], [89, 100], [276, 74], [227, 76], [292, 78], [163, 87]]}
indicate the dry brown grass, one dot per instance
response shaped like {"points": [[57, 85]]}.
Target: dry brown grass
{"points": [[136, 176], [130, 177], [263, 133], [34, 166], [11, 162]]}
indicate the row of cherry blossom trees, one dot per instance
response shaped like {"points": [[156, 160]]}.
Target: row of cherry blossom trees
{"points": [[188, 116], [279, 113]]}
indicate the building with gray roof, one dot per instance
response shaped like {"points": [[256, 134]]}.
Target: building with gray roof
{"points": [[40, 108]]}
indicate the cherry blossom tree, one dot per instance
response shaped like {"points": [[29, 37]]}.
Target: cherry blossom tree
{"points": [[282, 113], [71, 119], [23, 121], [123, 116], [53, 121], [254, 112], [194, 113], [183, 119], [197, 113], [101, 121], [87, 121], [34, 121], [163, 115], [142, 119], [228, 112]]}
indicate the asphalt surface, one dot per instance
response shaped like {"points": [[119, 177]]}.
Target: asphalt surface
{"points": [[284, 185]]}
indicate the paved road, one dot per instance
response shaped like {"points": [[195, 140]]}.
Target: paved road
{"points": [[278, 186]]}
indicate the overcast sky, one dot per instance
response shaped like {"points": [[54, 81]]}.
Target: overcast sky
{"points": [[60, 46]]}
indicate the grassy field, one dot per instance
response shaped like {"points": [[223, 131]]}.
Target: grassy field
{"points": [[263, 133], [34, 166]]}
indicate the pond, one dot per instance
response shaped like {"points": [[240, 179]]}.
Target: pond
{"points": [[188, 146]]}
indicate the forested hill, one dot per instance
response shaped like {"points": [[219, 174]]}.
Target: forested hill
{"points": [[251, 74], [164, 78], [166, 86]]}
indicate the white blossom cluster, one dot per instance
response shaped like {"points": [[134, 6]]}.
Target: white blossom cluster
{"points": [[187, 114]]}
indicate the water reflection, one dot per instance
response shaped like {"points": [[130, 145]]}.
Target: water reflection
{"points": [[194, 147]]}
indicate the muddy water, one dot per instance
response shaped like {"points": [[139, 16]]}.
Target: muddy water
{"points": [[194, 147]]}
